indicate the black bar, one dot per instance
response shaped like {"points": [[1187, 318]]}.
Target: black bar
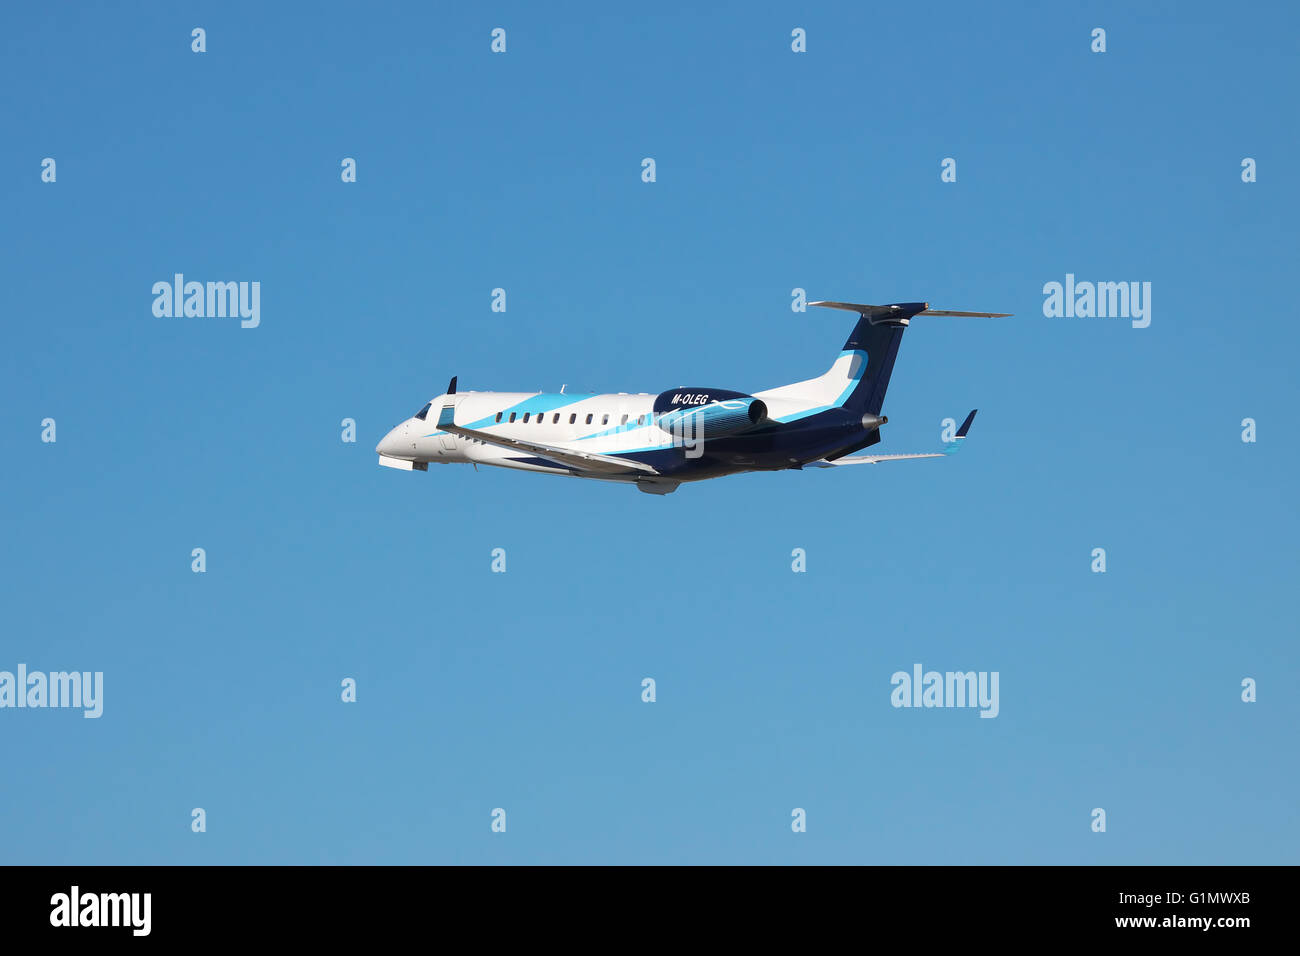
{"points": [[188, 905]]}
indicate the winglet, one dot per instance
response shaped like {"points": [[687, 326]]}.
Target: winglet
{"points": [[949, 448], [965, 426], [451, 389], [954, 446]]}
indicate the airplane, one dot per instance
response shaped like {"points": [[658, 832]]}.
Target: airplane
{"points": [[657, 442]]}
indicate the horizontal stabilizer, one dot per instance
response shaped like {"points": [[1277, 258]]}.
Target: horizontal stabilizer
{"points": [[884, 311], [875, 311]]}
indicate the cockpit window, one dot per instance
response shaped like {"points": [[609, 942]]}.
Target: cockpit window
{"points": [[424, 411]]}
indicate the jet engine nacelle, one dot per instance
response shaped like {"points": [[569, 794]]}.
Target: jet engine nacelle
{"points": [[708, 412]]}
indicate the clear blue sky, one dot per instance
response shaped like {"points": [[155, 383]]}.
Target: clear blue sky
{"points": [[522, 690]]}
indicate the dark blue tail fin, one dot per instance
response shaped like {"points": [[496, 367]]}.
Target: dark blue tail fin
{"points": [[867, 361], [876, 338]]}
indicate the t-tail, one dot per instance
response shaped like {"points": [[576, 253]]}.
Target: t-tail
{"points": [[867, 360]]}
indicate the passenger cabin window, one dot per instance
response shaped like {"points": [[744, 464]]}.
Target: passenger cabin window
{"points": [[604, 419], [573, 418], [624, 421], [424, 411], [640, 419], [499, 414], [588, 419], [555, 418], [512, 415], [541, 417], [526, 414]]}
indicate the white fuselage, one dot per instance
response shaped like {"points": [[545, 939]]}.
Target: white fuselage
{"points": [[615, 424], [657, 441], [605, 423]]}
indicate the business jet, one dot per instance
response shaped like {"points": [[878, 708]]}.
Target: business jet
{"points": [[656, 442]]}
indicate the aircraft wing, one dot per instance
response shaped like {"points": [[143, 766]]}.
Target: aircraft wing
{"points": [[581, 460], [875, 459], [870, 459]]}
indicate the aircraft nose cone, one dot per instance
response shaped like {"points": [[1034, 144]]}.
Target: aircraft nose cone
{"points": [[388, 444]]}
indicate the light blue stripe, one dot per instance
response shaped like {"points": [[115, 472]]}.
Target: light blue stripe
{"points": [[844, 395], [534, 403]]}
